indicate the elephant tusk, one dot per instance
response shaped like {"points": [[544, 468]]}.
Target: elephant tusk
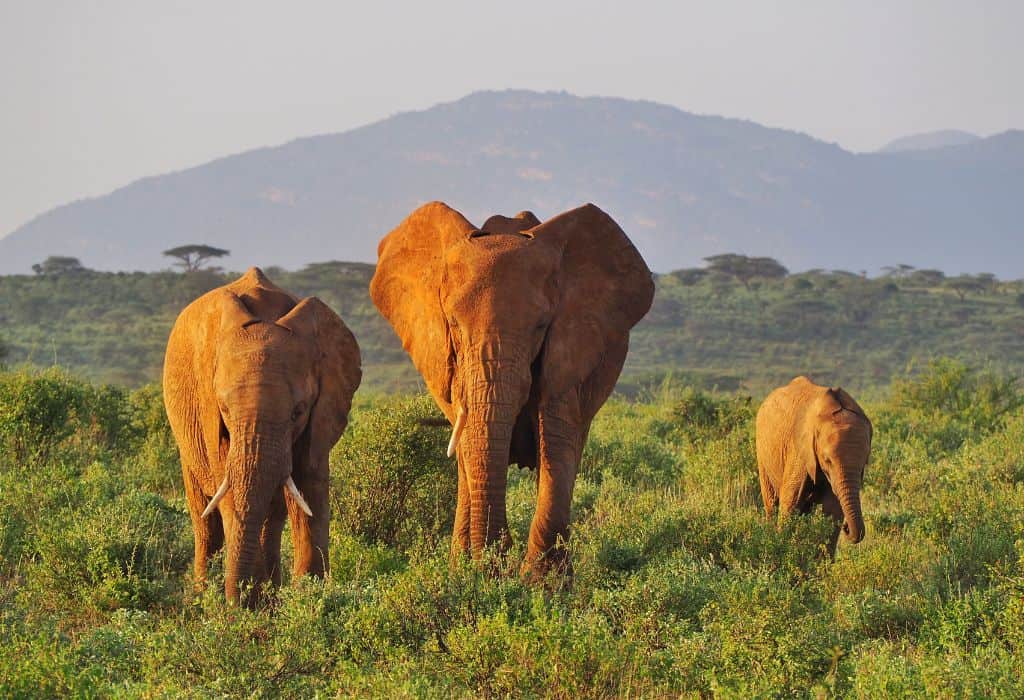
{"points": [[291, 488], [460, 423], [221, 491]]}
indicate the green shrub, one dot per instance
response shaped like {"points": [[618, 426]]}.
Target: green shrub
{"points": [[390, 479], [699, 416], [947, 404], [119, 551], [38, 412]]}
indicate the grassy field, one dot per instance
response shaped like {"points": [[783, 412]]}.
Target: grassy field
{"points": [[714, 333], [681, 588]]}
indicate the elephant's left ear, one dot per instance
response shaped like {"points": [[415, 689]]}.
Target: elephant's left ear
{"points": [[338, 368], [605, 289]]}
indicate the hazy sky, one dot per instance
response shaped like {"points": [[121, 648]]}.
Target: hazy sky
{"points": [[97, 93]]}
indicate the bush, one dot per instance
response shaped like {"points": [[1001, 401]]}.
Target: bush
{"points": [[119, 551], [947, 404], [699, 416], [43, 411], [390, 479]]}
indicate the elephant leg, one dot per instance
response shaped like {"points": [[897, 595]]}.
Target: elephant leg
{"points": [[834, 509], [460, 533], [208, 532], [270, 539], [310, 534], [559, 452], [768, 493], [793, 496]]}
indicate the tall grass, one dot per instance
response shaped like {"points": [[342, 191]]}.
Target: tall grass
{"points": [[682, 587]]}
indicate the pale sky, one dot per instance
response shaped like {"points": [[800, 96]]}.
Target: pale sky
{"points": [[98, 93]]}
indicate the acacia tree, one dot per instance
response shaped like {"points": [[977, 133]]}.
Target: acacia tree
{"points": [[58, 265], [901, 270], [962, 284], [744, 268], [192, 256]]}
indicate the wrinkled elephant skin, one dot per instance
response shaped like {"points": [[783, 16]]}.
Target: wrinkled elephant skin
{"points": [[520, 330], [258, 386]]}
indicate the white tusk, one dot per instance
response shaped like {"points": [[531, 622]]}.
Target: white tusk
{"points": [[460, 423], [221, 491], [291, 488]]}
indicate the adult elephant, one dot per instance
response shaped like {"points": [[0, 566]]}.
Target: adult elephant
{"points": [[258, 386], [520, 330], [813, 443]]}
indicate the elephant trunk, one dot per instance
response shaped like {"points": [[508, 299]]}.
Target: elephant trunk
{"points": [[848, 493], [487, 473], [256, 465], [492, 404]]}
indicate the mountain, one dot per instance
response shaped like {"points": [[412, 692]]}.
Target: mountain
{"points": [[683, 186], [932, 139]]}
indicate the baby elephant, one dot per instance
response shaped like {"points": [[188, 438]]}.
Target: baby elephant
{"points": [[812, 445], [258, 386]]}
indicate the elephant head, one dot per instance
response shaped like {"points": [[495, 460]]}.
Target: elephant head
{"points": [[283, 379], [842, 445], [517, 312]]}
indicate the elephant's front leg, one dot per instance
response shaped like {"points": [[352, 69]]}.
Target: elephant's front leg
{"points": [[834, 509], [207, 532], [460, 533], [270, 539], [310, 534], [559, 454]]}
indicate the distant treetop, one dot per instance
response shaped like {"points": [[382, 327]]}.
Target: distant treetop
{"points": [[745, 268], [58, 265], [192, 256]]}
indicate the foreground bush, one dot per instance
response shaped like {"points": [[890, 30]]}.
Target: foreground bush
{"points": [[391, 481]]}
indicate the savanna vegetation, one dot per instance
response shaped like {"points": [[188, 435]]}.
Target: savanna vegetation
{"points": [[737, 324], [681, 588]]}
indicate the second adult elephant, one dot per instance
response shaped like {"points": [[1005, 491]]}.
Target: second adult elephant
{"points": [[520, 330]]}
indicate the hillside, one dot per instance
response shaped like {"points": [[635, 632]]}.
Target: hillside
{"points": [[932, 139], [684, 186], [713, 333]]}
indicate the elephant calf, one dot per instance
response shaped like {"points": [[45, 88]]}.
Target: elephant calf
{"points": [[812, 445], [258, 386]]}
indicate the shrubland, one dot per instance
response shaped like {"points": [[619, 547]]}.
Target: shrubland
{"points": [[681, 586], [706, 329]]}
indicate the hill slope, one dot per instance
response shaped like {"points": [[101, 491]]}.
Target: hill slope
{"points": [[683, 186], [932, 139]]}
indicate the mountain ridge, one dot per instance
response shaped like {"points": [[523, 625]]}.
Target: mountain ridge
{"points": [[683, 186]]}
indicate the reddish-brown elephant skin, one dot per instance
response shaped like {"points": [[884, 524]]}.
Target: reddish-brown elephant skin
{"points": [[813, 444], [258, 386], [522, 327]]}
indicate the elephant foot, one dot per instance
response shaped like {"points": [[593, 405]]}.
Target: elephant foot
{"points": [[552, 570]]}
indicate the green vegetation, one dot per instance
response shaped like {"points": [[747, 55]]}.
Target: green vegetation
{"points": [[737, 324], [682, 587]]}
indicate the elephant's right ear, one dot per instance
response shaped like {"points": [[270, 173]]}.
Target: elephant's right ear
{"points": [[406, 288]]}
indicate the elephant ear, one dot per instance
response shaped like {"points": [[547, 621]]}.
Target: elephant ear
{"points": [[406, 288], [517, 224], [336, 355], [605, 289]]}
